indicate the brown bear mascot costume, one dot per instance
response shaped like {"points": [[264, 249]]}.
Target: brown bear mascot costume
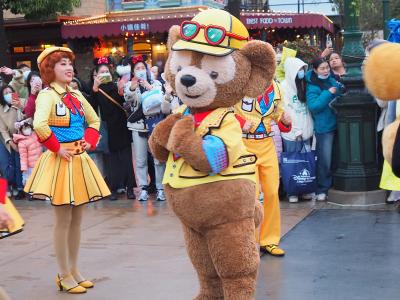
{"points": [[210, 177], [381, 75]]}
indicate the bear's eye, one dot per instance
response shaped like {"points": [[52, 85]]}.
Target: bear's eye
{"points": [[179, 68], [214, 75]]}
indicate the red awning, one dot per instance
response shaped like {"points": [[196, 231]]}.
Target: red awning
{"points": [[115, 24], [134, 21], [118, 28], [287, 20]]}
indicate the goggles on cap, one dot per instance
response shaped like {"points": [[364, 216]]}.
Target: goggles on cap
{"points": [[214, 34]]}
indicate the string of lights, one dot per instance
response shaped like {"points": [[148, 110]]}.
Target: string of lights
{"points": [[115, 16]]}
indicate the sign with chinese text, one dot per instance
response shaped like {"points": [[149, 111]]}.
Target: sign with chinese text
{"points": [[132, 27]]}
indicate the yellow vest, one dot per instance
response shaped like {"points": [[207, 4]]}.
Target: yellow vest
{"points": [[223, 124], [47, 114], [249, 109]]}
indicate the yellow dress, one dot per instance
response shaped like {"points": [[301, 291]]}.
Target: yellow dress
{"points": [[59, 121], [18, 223]]}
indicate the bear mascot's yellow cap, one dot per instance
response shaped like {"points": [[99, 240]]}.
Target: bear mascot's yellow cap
{"points": [[213, 32]]}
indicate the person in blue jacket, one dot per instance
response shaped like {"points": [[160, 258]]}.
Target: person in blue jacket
{"points": [[321, 90]]}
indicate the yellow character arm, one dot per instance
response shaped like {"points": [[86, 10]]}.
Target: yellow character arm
{"points": [[44, 104], [279, 103], [253, 117]]}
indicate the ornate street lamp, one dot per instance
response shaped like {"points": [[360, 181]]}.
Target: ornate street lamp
{"points": [[357, 161]]}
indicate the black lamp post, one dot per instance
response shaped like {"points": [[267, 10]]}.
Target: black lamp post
{"points": [[358, 169]]}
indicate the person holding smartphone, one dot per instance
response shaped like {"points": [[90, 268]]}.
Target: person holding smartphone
{"points": [[134, 93], [10, 113], [35, 85], [19, 78], [119, 165], [337, 65], [321, 90]]}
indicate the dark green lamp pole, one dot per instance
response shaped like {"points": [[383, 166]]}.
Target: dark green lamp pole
{"points": [[385, 5], [233, 7], [356, 154]]}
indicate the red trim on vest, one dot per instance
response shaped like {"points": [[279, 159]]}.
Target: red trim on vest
{"points": [[199, 117], [241, 120]]}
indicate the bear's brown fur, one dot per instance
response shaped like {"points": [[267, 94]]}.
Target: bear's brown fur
{"points": [[218, 218], [381, 75]]}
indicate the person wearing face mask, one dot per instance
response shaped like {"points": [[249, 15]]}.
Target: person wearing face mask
{"points": [[35, 85], [134, 93], [19, 79], [118, 160], [321, 90], [294, 95], [29, 149], [10, 113]]}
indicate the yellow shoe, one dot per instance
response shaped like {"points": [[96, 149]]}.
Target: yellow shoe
{"points": [[86, 284], [72, 290], [273, 250]]}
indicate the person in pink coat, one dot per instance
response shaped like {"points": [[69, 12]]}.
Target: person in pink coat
{"points": [[29, 149]]}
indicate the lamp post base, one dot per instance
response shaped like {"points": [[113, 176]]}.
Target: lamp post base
{"points": [[357, 160], [357, 198]]}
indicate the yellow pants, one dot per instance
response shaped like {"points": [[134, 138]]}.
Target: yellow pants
{"points": [[267, 170], [389, 181]]}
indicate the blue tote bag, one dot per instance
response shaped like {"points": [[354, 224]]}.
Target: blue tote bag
{"points": [[298, 170]]}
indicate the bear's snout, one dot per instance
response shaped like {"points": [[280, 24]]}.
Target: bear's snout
{"points": [[188, 80], [195, 87]]}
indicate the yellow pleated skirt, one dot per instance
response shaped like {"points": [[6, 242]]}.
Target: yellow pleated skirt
{"points": [[17, 221], [63, 182]]}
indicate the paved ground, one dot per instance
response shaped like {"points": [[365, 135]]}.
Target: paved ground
{"points": [[337, 254], [136, 251]]}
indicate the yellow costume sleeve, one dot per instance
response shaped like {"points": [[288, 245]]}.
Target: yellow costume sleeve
{"points": [[279, 103], [253, 118], [42, 114]]}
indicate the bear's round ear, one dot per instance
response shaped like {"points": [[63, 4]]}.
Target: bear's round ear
{"points": [[382, 71], [173, 36], [263, 64]]}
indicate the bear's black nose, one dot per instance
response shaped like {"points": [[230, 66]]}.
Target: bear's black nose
{"points": [[188, 80]]}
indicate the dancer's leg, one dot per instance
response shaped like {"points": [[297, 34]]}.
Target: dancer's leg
{"points": [[63, 216], [74, 240]]}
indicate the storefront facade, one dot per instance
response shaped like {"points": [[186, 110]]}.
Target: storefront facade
{"points": [[276, 28], [117, 34], [27, 39]]}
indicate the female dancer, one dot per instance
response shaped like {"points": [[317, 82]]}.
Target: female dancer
{"points": [[65, 174]]}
